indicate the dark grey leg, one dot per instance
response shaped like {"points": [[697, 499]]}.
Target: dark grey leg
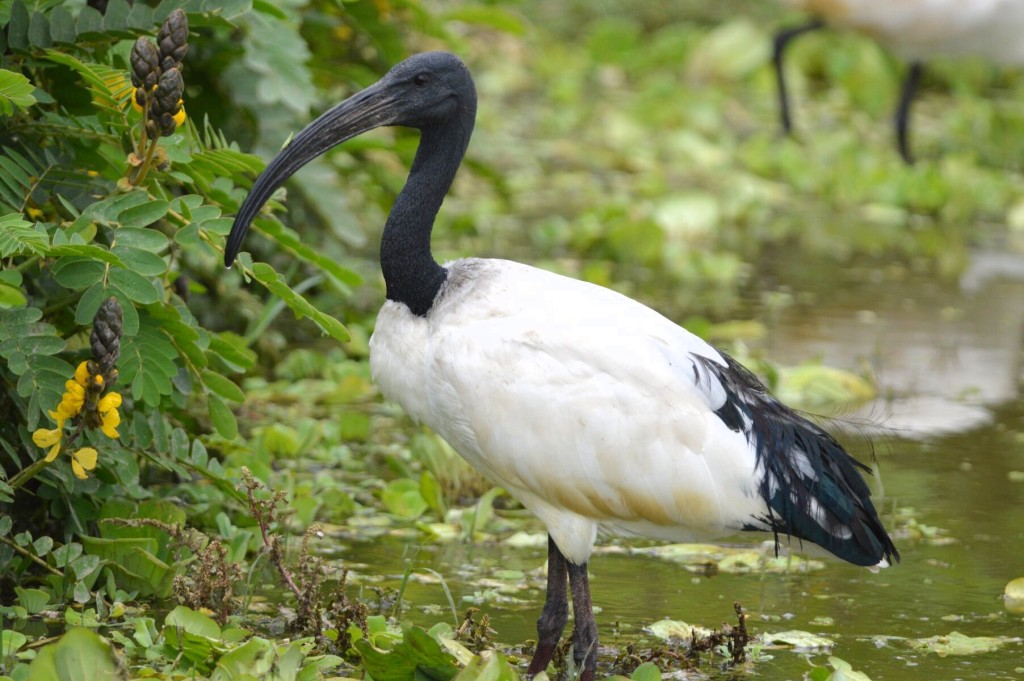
{"points": [[903, 111], [782, 39], [584, 634], [555, 614]]}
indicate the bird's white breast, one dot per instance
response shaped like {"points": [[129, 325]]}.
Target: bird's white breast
{"points": [[582, 403]]}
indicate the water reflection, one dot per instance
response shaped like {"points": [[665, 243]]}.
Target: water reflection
{"points": [[944, 354]]}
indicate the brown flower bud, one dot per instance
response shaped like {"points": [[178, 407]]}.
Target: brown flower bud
{"points": [[105, 339], [173, 39], [167, 96], [145, 61]]}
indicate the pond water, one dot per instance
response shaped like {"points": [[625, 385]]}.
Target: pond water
{"points": [[948, 433]]}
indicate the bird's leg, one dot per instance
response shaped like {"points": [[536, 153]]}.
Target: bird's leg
{"points": [[584, 633], [903, 111], [556, 611], [782, 39]]}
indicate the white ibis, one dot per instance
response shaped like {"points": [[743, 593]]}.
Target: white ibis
{"points": [[592, 409], [915, 30]]}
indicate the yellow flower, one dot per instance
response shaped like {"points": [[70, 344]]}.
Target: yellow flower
{"points": [[83, 460], [82, 374], [49, 438], [179, 118], [109, 418]]}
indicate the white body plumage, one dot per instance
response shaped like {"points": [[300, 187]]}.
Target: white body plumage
{"points": [[922, 29], [584, 404]]}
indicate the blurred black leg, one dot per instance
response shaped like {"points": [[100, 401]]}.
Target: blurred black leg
{"points": [[903, 111], [556, 611], [782, 39], [584, 634]]}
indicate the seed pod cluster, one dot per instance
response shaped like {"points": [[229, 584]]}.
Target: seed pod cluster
{"points": [[145, 62], [173, 40], [105, 340], [156, 75]]}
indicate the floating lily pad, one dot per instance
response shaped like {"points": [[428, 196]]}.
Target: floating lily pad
{"points": [[528, 540], [1013, 596], [733, 560], [800, 641], [844, 671], [956, 643], [80, 655], [822, 388], [677, 630]]}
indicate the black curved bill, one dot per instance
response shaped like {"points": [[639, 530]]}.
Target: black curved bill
{"points": [[368, 109]]}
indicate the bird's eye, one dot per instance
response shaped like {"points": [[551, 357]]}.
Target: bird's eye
{"points": [[421, 79]]}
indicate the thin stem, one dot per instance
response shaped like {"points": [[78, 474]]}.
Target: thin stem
{"points": [[149, 160], [27, 473], [31, 556]]}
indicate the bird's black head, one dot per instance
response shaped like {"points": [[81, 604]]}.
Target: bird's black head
{"points": [[426, 91], [429, 89]]}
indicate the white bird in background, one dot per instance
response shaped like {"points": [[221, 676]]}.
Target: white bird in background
{"points": [[916, 31], [593, 410]]}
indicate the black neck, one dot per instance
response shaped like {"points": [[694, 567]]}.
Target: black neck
{"points": [[411, 274]]}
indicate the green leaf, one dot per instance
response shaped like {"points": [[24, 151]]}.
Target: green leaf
{"points": [[144, 214], [223, 386], [648, 671], [231, 349], [416, 656], [67, 553], [85, 251], [89, 303], [42, 546], [110, 87], [192, 622], [33, 600], [17, 28], [799, 640], [430, 490], [11, 642], [254, 658], [115, 19], [137, 287], [490, 665], [275, 283], [192, 635], [15, 92], [146, 263], [18, 237], [844, 671], [75, 273], [144, 239], [39, 31], [956, 643], [11, 296], [402, 498], [90, 24], [80, 655], [62, 25], [134, 562], [148, 362], [222, 417], [289, 240]]}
